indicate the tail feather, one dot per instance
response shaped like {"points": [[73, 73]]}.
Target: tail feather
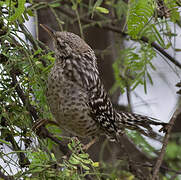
{"points": [[140, 123]]}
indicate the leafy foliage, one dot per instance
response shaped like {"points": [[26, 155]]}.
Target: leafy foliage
{"points": [[134, 64], [77, 166], [18, 11], [139, 17], [174, 10], [141, 20]]}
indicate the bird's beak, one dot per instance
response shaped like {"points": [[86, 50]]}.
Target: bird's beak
{"points": [[50, 31]]}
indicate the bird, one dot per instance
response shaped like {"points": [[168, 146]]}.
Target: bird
{"points": [[77, 97]]}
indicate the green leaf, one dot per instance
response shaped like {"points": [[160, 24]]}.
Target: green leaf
{"points": [[102, 10], [54, 129], [55, 4], [79, 1], [29, 12], [152, 66], [74, 161], [5, 142], [86, 161], [97, 4], [84, 156], [158, 36], [53, 157], [177, 49], [85, 167], [173, 150], [139, 14], [149, 77], [145, 87], [173, 10], [26, 16], [70, 146], [18, 11], [95, 164]]}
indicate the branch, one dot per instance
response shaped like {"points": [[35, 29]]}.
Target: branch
{"points": [[162, 51], [40, 129], [22, 96], [2, 176], [163, 168], [175, 175], [165, 142], [64, 149], [23, 160]]}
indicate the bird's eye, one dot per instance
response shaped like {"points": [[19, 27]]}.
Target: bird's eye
{"points": [[60, 44]]}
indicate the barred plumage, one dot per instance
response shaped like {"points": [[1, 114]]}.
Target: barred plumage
{"points": [[77, 97]]}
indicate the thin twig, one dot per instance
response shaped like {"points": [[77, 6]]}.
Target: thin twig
{"points": [[175, 175], [164, 168], [23, 160], [64, 149], [22, 96], [165, 142], [2, 176], [60, 23], [162, 51], [128, 94]]}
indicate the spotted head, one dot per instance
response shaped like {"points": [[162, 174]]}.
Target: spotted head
{"points": [[67, 43]]}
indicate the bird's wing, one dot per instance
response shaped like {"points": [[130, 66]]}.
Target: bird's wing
{"points": [[101, 107]]}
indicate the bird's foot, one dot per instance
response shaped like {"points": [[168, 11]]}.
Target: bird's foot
{"points": [[165, 127], [87, 146]]}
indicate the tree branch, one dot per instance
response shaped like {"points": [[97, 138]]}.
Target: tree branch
{"points": [[22, 96], [165, 142]]}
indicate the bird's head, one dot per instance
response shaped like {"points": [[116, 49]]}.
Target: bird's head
{"points": [[67, 43]]}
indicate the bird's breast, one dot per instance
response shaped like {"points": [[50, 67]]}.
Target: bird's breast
{"points": [[68, 104]]}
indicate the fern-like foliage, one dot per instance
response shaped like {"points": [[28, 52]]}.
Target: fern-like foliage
{"points": [[142, 18], [131, 67], [173, 10], [139, 16]]}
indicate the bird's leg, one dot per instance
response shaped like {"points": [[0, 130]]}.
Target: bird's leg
{"points": [[78, 147], [87, 146]]}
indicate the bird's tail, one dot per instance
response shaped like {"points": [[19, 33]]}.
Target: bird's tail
{"points": [[140, 123]]}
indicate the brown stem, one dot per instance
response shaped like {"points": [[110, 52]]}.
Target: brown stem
{"points": [[23, 160], [22, 96], [2, 176], [165, 142]]}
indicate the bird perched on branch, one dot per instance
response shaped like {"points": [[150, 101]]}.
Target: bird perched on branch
{"points": [[76, 95]]}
